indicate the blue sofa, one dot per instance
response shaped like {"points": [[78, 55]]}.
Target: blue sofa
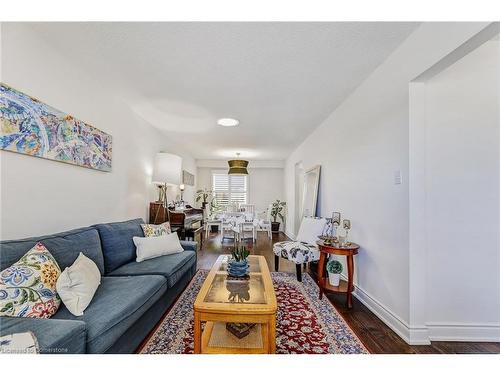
{"points": [[129, 302]]}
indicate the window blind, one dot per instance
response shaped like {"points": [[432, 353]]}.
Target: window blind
{"points": [[229, 189]]}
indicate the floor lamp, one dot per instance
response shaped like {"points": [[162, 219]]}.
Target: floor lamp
{"points": [[166, 172]]}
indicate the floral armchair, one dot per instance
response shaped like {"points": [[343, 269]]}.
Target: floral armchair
{"points": [[304, 249]]}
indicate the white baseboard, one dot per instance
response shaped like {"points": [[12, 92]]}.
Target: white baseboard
{"points": [[290, 235], [394, 322], [445, 331], [432, 331]]}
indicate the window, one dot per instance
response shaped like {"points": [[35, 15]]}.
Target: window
{"points": [[229, 188]]}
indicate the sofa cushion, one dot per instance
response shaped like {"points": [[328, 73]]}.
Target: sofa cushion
{"points": [[171, 266], [64, 247], [152, 230], [54, 336], [28, 287], [189, 245], [153, 247], [118, 303], [77, 285], [117, 244]]}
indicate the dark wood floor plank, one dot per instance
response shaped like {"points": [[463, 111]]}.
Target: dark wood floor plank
{"points": [[375, 334]]}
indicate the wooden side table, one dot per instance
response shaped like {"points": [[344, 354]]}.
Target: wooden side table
{"points": [[344, 287]]}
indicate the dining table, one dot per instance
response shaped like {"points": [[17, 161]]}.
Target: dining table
{"points": [[235, 222]]}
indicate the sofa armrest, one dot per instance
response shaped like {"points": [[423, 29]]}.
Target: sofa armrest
{"points": [[54, 336], [189, 245]]}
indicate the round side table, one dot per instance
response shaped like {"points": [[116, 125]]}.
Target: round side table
{"points": [[344, 287]]}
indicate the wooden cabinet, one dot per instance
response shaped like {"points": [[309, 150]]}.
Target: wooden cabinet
{"points": [[157, 213]]}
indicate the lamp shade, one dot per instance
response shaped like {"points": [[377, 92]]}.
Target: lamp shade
{"points": [[167, 169], [238, 167]]}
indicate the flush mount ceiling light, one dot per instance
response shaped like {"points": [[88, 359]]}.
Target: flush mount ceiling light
{"points": [[238, 166], [227, 122]]}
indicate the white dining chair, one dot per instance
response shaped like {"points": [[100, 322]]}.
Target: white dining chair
{"points": [[227, 227], [264, 222], [231, 207], [247, 208], [209, 223], [249, 226]]}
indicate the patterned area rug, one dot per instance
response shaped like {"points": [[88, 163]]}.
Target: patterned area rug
{"points": [[304, 323]]}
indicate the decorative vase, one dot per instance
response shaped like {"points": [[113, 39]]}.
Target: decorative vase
{"points": [[275, 226], [237, 269], [334, 279]]}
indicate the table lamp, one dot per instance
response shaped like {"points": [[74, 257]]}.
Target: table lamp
{"points": [[181, 188]]}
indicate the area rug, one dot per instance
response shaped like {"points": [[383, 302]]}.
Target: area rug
{"points": [[305, 324]]}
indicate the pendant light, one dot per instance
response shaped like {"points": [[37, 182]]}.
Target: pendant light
{"points": [[238, 166]]}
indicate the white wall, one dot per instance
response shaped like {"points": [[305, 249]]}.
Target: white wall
{"points": [[463, 194], [40, 196], [360, 146], [265, 185]]}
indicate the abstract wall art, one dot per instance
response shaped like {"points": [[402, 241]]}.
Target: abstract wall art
{"points": [[30, 127]]}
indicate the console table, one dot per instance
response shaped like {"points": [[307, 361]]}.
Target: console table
{"points": [[344, 287]]}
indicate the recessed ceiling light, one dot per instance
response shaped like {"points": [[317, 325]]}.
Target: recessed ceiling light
{"points": [[227, 122]]}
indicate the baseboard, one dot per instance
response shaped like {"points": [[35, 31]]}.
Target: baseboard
{"points": [[290, 235], [445, 331], [432, 331], [394, 322]]}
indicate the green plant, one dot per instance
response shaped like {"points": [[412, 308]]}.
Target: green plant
{"points": [[203, 195], [334, 266], [277, 210], [240, 253], [214, 206]]}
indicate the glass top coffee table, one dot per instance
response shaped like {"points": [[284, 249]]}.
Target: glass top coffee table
{"points": [[222, 300]]}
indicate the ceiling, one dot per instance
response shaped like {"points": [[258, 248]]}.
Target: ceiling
{"points": [[280, 80]]}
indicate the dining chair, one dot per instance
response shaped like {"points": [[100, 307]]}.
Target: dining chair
{"points": [[249, 226], [247, 208], [227, 227], [231, 207], [264, 221]]}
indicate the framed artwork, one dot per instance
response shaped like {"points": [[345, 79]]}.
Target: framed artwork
{"points": [[30, 127], [336, 218], [187, 178]]}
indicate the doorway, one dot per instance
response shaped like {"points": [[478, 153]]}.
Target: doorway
{"points": [[299, 184]]}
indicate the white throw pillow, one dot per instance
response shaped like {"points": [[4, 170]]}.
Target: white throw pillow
{"points": [[310, 229], [152, 247], [78, 283]]}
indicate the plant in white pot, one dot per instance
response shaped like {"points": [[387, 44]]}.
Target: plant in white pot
{"points": [[334, 268]]}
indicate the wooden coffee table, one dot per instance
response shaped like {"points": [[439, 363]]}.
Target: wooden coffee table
{"points": [[250, 301]]}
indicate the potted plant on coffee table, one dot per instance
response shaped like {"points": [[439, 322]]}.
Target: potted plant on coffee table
{"points": [[238, 263], [334, 268], [277, 210]]}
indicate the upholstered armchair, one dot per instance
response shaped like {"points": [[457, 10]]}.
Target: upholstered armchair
{"points": [[304, 249]]}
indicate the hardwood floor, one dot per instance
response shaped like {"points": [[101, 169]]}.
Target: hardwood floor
{"points": [[377, 337]]}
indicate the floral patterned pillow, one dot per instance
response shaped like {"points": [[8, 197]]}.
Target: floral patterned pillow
{"points": [[28, 287], [151, 230]]}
